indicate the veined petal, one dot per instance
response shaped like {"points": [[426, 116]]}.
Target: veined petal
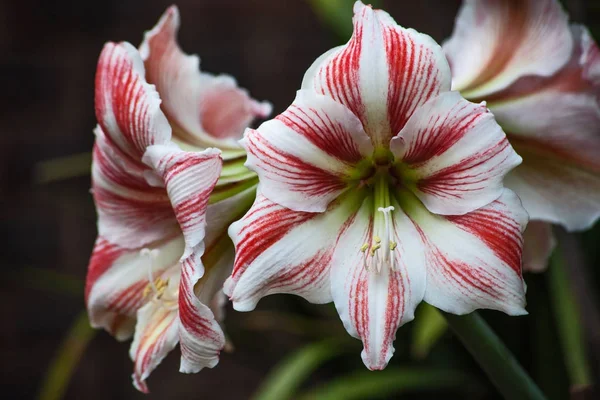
{"points": [[454, 155], [279, 250], [127, 107], [539, 244], [201, 338], [382, 74], [306, 155], [373, 304], [189, 178], [130, 211], [156, 334], [207, 110], [474, 260], [556, 190], [117, 279], [495, 42]]}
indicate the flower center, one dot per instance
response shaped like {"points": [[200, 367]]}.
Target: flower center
{"points": [[158, 289]]}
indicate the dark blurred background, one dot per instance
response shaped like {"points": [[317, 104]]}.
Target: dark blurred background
{"points": [[48, 54]]}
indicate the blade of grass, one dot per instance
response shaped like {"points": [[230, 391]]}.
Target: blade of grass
{"points": [[429, 326], [378, 384], [63, 365], [289, 374], [337, 15], [61, 168], [568, 321]]}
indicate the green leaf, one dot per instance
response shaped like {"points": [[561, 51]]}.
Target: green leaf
{"points": [[337, 15], [62, 367], [568, 320], [377, 384], [429, 326], [61, 168], [289, 374]]}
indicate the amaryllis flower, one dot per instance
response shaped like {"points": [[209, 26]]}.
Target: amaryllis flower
{"points": [[380, 188], [540, 77], [151, 199], [159, 206]]}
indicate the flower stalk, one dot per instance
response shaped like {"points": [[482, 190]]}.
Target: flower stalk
{"points": [[493, 357]]}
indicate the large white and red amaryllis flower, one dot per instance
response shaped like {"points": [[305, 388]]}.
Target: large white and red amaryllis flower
{"points": [[380, 188], [162, 253], [540, 77]]}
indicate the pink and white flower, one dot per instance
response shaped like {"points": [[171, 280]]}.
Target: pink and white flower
{"points": [[540, 77], [162, 252], [379, 189]]}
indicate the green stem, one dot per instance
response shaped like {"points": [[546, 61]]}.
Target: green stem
{"points": [[492, 355], [568, 322], [63, 366]]}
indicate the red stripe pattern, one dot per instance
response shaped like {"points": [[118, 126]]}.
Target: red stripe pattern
{"points": [[475, 261], [455, 153], [209, 110], [408, 68], [283, 251]]}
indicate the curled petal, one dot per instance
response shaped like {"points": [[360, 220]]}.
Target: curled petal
{"points": [[156, 334], [495, 42], [201, 338], [474, 260], [117, 280], [382, 74], [306, 155], [207, 110], [279, 250], [189, 178], [373, 304], [455, 155], [539, 244], [127, 107]]}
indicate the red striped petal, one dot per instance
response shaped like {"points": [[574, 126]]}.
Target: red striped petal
{"points": [[373, 304], [496, 42], [454, 155], [208, 110], [306, 155], [474, 260], [279, 250], [381, 61], [189, 178], [200, 337]]}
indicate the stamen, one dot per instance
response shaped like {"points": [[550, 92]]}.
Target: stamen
{"points": [[381, 248]]}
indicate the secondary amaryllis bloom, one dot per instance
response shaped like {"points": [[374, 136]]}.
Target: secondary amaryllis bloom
{"points": [[152, 200], [380, 188], [540, 77], [158, 206]]}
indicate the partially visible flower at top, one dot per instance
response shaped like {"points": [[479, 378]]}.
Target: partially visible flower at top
{"points": [[380, 188], [162, 252], [540, 77]]}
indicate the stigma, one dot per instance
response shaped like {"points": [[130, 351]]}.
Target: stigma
{"points": [[380, 252]]}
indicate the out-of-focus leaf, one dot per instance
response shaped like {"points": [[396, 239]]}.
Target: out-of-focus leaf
{"points": [[291, 323], [428, 328], [62, 367], [378, 384], [337, 15], [58, 169], [51, 281], [289, 374], [568, 320]]}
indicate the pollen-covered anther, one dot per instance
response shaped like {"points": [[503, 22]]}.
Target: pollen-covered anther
{"points": [[380, 250]]}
